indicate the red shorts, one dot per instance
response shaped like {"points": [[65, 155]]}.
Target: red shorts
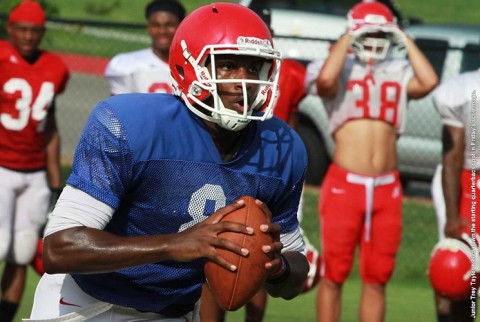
{"points": [[470, 188], [360, 210]]}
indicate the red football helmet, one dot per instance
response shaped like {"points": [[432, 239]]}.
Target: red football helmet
{"points": [[315, 262], [216, 29], [373, 28], [450, 269], [37, 262]]}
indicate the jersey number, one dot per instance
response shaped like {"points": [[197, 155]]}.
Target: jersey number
{"points": [[24, 104], [388, 103], [198, 202]]}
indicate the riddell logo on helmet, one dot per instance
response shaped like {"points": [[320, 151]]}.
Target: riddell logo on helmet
{"points": [[265, 90], [252, 41]]}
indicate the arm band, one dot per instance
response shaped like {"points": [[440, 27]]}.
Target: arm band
{"points": [[282, 275]]}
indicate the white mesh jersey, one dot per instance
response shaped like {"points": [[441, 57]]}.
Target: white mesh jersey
{"points": [[376, 92], [457, 101], [139, 71]]}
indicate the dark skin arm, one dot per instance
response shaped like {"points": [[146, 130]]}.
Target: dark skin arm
{"points": [[297, 262], [294, 284], [453, 147], [53, 152], [96, 251]]}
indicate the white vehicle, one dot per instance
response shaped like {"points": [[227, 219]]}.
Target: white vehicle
{"points": [[306, 36]]}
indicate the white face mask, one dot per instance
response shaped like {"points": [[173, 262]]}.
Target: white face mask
{"points": [[368, 49], [208, 82]]}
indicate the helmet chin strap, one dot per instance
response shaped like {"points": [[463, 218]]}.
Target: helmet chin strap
{"points": [[228, 122]]}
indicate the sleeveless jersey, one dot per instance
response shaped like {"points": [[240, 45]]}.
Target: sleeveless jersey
{"points": [[371, 92], [457, 101], [161, 171], [138, 72], [26, 94], [292, 90]]}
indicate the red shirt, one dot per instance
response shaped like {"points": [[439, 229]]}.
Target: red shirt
{"points": [[26, 93], [292, 89]]}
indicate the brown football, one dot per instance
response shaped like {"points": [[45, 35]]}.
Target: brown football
{"points": [[232, 290]]}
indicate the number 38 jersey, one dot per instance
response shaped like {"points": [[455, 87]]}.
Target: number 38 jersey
{"points": [[374, 92], [26, 94]]}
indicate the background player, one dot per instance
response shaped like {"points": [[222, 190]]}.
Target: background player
{"points": [[141, 209], [30, 79], [456, 100], [366, 96], [146, 70]]}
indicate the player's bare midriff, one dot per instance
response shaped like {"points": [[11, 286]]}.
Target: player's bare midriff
{"points": [[366, 146]]}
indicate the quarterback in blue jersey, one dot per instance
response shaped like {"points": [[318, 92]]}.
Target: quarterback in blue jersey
{"points": [[153, 175]]}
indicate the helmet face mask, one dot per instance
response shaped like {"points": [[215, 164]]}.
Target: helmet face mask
{"points": [[193, 66], [372, 47]]}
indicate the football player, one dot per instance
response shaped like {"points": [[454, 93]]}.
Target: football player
{"points": [[146, 70], [291, 93], [141, 211], [456, 182], [30, 78], [365, 91]]}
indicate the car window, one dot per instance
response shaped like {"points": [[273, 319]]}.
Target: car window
{"points": [[471, 58], [435, 50]]}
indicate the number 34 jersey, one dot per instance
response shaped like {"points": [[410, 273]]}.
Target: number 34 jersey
{"points": [[26, 94], [374, 92]]}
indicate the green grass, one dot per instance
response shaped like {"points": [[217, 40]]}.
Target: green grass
{"points": [[430, 11]]}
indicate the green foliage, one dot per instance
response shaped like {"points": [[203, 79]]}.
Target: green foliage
{"points": [[104, 8], [429, 11]]}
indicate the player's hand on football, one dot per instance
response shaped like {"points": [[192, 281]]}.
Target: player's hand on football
{"points": [[201, 240], [273, 250]]}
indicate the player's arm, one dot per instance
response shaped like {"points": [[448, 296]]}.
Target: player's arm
{"points": [[425, 78], [289, 268], [328, 80], [52, 138], [453, 147], [76, 243]]}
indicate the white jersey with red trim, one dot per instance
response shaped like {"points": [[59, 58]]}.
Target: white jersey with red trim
{"points": [[457, 100], [372, 92], [139, 71]]}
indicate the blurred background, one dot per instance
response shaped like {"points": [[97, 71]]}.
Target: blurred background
{"points": [[87, 33]]}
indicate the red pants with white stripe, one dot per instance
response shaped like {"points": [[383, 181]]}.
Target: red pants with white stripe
{"points": [[360, 210]]}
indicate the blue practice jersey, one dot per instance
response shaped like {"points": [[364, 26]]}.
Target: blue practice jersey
{"points": [[153, 160]]}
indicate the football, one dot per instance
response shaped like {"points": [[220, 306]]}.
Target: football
{"points": [[232, 290]]}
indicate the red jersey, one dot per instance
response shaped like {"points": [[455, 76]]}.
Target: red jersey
{"points": [[26, 93], [292, 89]]}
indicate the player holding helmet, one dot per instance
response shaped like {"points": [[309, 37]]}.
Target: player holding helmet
{"points": [[456, 182], [365, 92], [140, 213], [30, 79]]}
